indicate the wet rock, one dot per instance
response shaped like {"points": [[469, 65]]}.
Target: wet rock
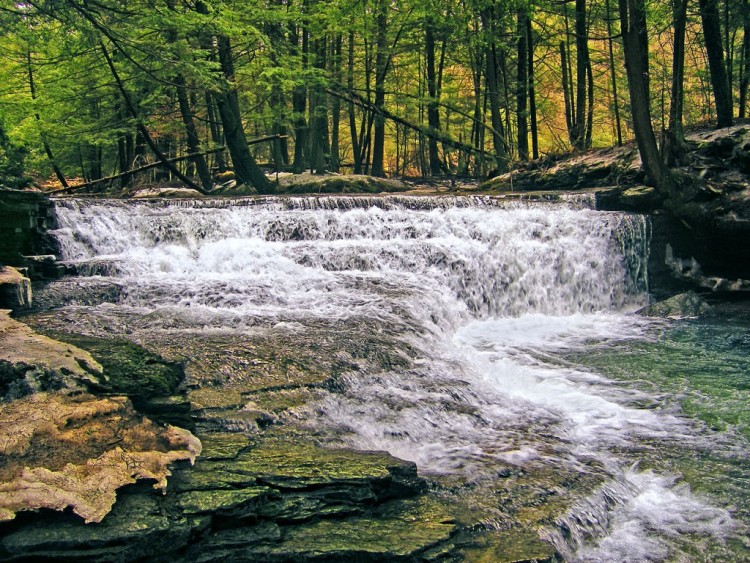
{"points": [[680, 306], [44, 267], [15, 289]]}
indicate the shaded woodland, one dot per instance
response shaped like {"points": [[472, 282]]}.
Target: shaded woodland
{"points": [[104, 88]]}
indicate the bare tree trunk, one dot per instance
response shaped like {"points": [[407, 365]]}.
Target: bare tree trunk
{"points": [[719, 81], [583, 72], [675, 137], [567, 94], [381, 68], [433, 113], [492, 84], [245, 168], [336, 104], [613, 74], [216, 134], [522, 86], [532, 93], [193, 140], [635, 44], [318, 112], [299, 103], [745, 66]]}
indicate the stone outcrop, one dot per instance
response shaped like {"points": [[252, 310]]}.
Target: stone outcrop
{"points": [[30, 362], [61, 450], [61, 447], [263, 498], [25, 217], [15, 289]]}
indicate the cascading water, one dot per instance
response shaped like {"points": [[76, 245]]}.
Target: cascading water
{"points": [[455, 315]]}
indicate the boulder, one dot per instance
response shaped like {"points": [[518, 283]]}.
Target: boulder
{"points": [[680, 306]]}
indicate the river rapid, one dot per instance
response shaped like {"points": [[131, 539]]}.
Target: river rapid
{"points": [[494, 344]]}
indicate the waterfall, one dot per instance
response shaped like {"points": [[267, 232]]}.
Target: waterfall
{"points": [[524, 259], [450, 312]]}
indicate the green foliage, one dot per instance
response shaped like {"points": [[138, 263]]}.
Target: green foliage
{"points": [[11, 163], [287, 53]]}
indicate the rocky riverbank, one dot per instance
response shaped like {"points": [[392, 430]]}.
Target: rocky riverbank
{"points": [[263, 492]]}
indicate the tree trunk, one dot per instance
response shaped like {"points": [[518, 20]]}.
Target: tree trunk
{"points": [[433, 113], [522, 87], [675, 137], [492, 85], [276, 100], [245, 168], [299, 103], [215, 129], [745, 67], [532, 93], [719, 82], [318, 112], [613, 75], [336, 104], [567, 93], [635, 45], [381, 68], [583, 70], [193, 140]]}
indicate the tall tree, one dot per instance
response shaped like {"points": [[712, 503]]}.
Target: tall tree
{"points": [[433, 110], [709, 10], [381, 69], [581, 136], [522, 85], [245, 168], [675, 137], [635, 45], [745, 58]]}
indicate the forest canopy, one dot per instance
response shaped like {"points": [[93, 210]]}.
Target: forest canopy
{"points": [[100, 88]]}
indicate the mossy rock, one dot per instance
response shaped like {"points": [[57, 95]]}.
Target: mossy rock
{"points": [[683, 305], [136, 528], [399, 530], [223, 501], [348, 184], [293, 464], [131, 369]]}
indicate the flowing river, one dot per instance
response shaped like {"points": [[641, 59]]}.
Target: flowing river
{"points": [[485, 341]]}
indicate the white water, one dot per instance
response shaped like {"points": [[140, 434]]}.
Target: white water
{"points": [[475, 298]]}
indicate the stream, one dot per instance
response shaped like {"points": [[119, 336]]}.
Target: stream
{"points": [[493, 343]]}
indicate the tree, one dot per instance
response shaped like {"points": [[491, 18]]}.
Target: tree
{"points": [[719, 80], [675, 136], [635, 44], [522, 85]]}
